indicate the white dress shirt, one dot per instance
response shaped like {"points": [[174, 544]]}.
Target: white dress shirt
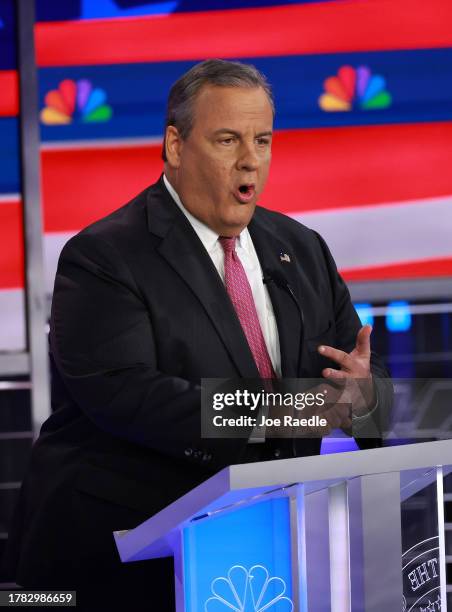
{"points": [[250, 262]]}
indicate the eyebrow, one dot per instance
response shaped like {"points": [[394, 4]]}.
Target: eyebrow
{"points": [[235, 133]]}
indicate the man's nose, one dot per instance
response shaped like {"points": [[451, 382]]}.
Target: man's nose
{"points": [[248, 158]]}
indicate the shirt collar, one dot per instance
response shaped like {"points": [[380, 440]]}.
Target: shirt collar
{"points": [[208, 237]]}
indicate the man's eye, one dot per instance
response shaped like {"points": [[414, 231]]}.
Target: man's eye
{"points": [[227, 141], [263, 141]]}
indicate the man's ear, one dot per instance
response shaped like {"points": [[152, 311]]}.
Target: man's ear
{"points": [[173, 146]]}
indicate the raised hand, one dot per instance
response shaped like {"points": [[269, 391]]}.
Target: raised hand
{"points": [[354, 373]]}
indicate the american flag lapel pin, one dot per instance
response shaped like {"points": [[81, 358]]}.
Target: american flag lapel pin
{"points": [[284, 257]]}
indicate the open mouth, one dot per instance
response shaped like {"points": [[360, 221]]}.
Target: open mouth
{"points": [[245, 192]]}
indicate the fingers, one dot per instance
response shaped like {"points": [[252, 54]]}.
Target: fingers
{"points": [[337, 375], [342, 358], [346, 361], [338, 416], [363, 340]]}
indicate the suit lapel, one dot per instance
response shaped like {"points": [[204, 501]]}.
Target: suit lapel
{"points": [[271, 251], [184, 251]]}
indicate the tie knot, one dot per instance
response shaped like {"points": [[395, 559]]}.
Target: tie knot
{"points": [[228, 244]]}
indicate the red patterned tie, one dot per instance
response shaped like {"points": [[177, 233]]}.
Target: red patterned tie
{"points": [[239, 291]]}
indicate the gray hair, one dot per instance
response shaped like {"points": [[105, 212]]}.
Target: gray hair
{"points": [[221, 73]]}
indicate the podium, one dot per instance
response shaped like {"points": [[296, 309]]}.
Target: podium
{"points": [[349, 532]]}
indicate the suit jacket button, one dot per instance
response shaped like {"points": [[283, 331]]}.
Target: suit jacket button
{"points": [[277, 452], [197, 454], [188, 452], [206, 457]]}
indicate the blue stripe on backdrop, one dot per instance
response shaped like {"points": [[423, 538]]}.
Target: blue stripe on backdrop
{"points": [[9, 155], [49, 10], [7, 36], [419, 82]]}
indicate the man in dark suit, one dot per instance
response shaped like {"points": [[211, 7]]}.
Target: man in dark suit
{"points": [[144, 307]]}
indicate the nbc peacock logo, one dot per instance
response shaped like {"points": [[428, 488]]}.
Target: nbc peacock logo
{"points": [[251, 590], [354, 88], [75, 101]]}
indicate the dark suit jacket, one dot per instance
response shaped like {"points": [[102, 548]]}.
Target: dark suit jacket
{"points": [[139, 315]]}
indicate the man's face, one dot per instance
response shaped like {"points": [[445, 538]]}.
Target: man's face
{"points": [[221, 168]]}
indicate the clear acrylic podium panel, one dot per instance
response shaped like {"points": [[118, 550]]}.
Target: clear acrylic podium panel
{"points": [[423, 540]]}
